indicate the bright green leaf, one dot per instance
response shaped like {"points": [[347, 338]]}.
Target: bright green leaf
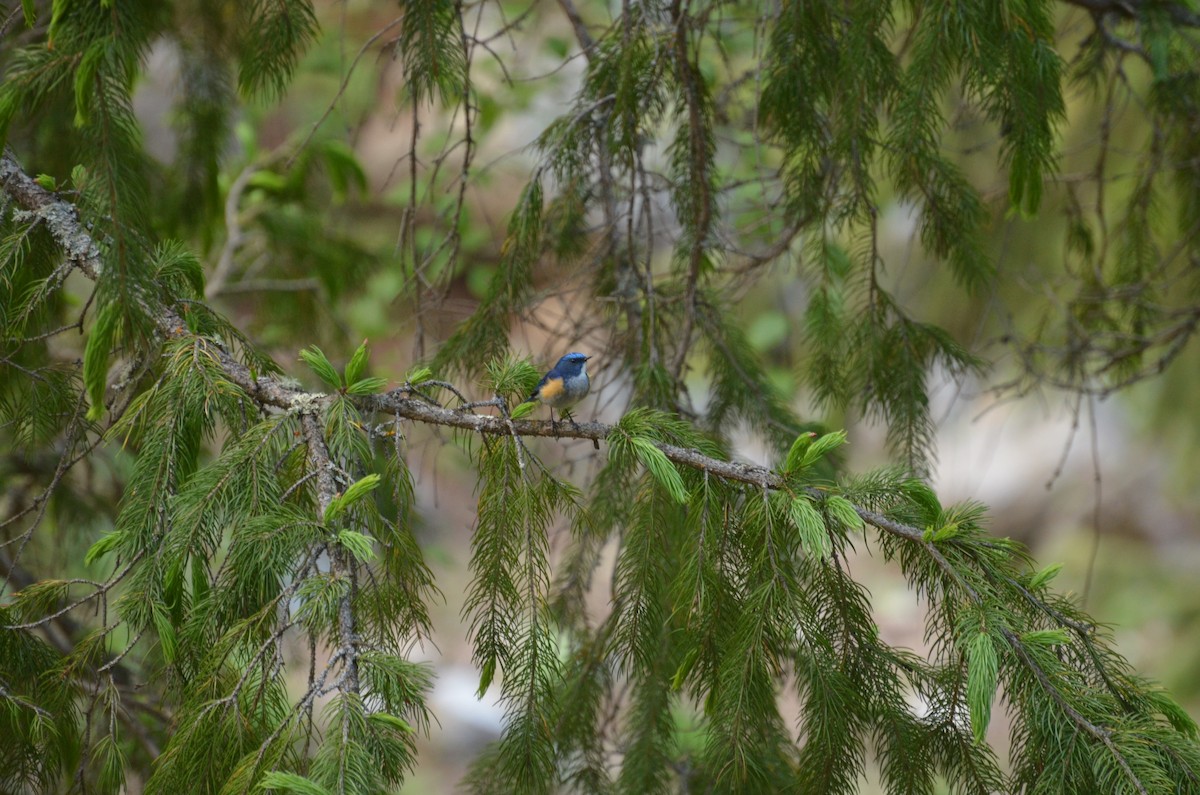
{"points": [[983, 671], [391, 722], [367, 386], [524, 409], [823, 445], [1045, 637], [799, 448], [357, 364], [107, 543], [418, 375], [843, 510], [1044, 576], [291, 782], [86, 75], [320, 365], [811, 528], [660, 467], [945, 532], [268, 181], [361, 546], [95, 357], [486, 674], [358, 489]]}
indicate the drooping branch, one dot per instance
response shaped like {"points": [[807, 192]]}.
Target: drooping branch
{"points": [[688, 73], [63, 222], [407, 402]]}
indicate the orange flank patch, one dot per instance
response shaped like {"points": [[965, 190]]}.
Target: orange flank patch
{"points": [[551, 389]]}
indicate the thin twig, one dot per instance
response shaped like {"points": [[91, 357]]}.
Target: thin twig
{"points": [[233, 233]]}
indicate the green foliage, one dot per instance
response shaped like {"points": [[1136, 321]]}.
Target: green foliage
{"points": [[741, 389], [290, 782], [506, 604], [660, 467], [220, 588], [808, 449], [431, 50], [810, 527], [512, 379], [983, 673], [357, 364], [315, 358], [355, 492], [95, 356], [482, 338], [273, 35]]}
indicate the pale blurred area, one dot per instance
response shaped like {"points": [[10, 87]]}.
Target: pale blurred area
{"points": [[1115, 480]]}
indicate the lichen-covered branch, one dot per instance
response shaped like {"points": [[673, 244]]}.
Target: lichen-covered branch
{"points": [[343, 565]]}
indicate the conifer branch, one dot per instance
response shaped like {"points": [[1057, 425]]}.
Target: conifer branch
{"points": [[408, 402], [1082, 723], [1091, 729], [100, 590], [698, 161], [75, 432], [586, 42], [343, 564], [64, 224], [60, 216], [62, 631]]}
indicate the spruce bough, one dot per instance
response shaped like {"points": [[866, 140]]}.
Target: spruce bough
{"points": [[232, 517], [729, 585]]}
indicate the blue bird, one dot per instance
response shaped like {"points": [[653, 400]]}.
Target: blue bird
{"points": [[565, 385]]}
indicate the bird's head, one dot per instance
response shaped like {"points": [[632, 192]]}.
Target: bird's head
{"points": [[572, 362]]}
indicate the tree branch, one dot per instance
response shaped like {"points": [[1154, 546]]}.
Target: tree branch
{"points": [[234, 237], [65, 226], [688, 74], [60, 216], [406, 402], [586, 42], [321, 464]]}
